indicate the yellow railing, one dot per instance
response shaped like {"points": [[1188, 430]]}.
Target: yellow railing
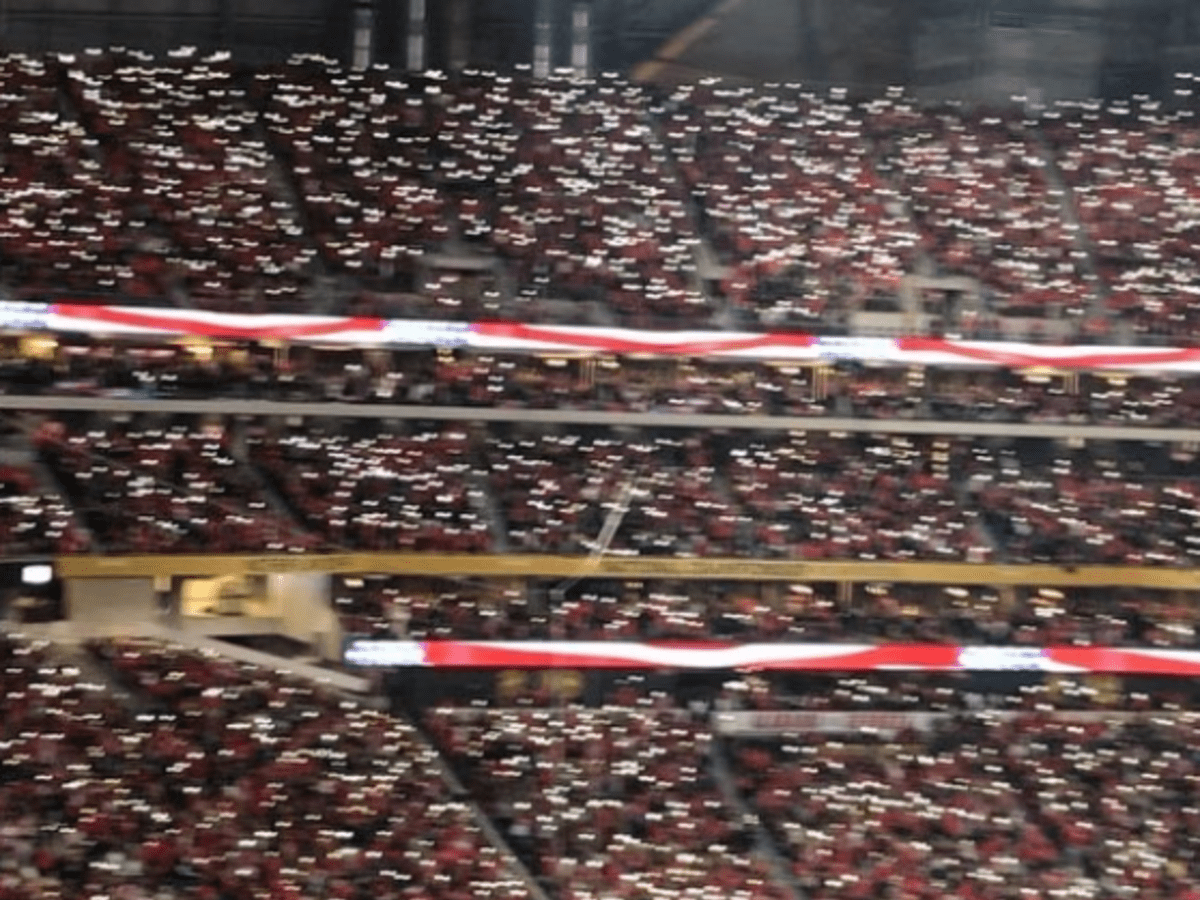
{"points": [[722, 568]]}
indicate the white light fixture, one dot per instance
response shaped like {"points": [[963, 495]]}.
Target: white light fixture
{"points": [[39, 573]]}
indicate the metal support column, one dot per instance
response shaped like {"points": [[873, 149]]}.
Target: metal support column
{"points": [[364, 35], [414, 42], [581, 39], [542, 34], [460, 34]]}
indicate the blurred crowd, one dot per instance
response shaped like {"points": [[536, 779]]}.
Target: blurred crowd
{"points": [[566, 183], [380, 492], [174, 489], [145, 179], [981, 193], [815, 496], [34, 518], [789, 196], [145, 771], [156, 483], [211, 779], [195, 183], [983, 793], [983, 807], [1132, 170], [611, 802], [188, 180]]}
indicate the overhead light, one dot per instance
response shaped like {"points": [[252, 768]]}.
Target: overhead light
{"points": [[39, 573]]}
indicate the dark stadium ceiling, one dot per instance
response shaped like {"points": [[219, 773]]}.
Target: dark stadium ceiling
{"points": [[495, 32], [983, 48]]}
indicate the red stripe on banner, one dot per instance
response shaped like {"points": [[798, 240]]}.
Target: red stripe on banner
{"points": [[916, 657], [1024, 359], [467, 655], [1114, 660], [183, 324], [612, 344]]}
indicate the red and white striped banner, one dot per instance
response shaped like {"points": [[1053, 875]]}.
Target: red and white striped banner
{"points": [[789, 657], [362, 331], [906, 351]]}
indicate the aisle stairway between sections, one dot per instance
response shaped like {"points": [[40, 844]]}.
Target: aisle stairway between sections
{"points": [[722, 775]]}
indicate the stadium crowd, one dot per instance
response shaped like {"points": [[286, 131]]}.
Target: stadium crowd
{"points": [[1013, 792], [157, 484], [380, 492], [192, 181], [202, 778], [806, 225], [1131, 169], [622, 805], [179, 143], [174, 489], [195, 183], [523, 169], [980, 193], [983, 807], [214, 779], [34, 519], [810, 495], [142, 179]]}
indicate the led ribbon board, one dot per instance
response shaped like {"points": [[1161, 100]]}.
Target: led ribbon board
{"points": [[782, 657]]}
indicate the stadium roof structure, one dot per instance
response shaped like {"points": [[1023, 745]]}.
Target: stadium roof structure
{"points": [[969, 49]]}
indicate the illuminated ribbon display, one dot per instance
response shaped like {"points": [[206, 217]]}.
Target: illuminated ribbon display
{"points": [[359, 331], [783, 657]]}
